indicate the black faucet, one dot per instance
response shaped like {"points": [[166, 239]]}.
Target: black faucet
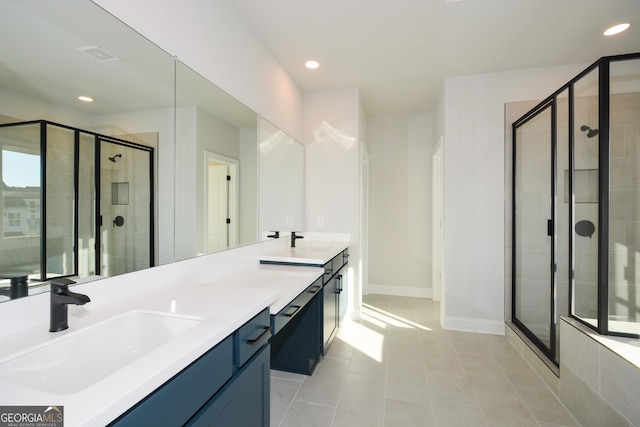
{"points": [[294, 238], [275, 235], [61, 296]]}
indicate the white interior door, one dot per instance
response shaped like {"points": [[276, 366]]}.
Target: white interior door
{"points": [[217, 207]]}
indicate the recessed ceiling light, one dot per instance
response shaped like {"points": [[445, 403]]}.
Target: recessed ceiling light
{"points": [[85, 98], [312, 65], [616, 29]]}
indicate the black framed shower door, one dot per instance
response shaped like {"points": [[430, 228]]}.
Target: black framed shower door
{"points": [[61, 208], [534, 238]]}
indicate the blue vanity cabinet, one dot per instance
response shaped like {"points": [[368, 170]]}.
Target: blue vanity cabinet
{"points": [[334, 282], [332, 304], [242, 402], [296, 344], [229, 382], [329, 313]]}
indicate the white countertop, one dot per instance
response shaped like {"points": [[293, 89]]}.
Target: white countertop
{"points": [[315, 252], [223, 306], [288, 281], [221, 291]]}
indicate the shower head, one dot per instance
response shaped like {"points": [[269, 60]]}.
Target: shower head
{"points": [[590, 132], [113, 159]]}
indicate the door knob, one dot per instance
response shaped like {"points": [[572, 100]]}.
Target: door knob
{"points": [[119, 221]]}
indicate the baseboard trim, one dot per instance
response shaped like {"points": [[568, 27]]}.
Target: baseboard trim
{"points": [[400, 291], [480, 326]]}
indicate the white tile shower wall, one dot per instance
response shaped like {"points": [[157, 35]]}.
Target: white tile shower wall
{"points": [[598, 386], [59, 200], [586, 248], [624, 235]]}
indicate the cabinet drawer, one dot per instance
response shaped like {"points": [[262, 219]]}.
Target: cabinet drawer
{"points": [[340, 260], [295, 307], [251, 336], [178, 399], [337, 262], [328, 272], [345, 257]]}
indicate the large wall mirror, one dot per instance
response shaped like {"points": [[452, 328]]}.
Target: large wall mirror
{"points": [[86, 184], [216, 168], [281, 180], [132, 179]]}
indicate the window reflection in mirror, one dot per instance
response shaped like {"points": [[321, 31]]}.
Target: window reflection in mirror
{"points": [[20, 205], [20, 193]]}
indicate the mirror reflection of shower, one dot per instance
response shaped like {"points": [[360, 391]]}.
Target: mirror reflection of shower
{"points": [[117, 156], [590, 132]]}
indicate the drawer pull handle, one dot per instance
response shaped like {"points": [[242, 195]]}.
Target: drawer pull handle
{"points": [[293, 313], [328, 271], [257, 339], [315, 289], [339, 283]]}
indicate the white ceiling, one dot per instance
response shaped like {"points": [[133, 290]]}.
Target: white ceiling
{"points": [[399, 51]]}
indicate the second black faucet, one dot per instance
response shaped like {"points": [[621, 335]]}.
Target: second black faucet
{"points": [[294, 238]]}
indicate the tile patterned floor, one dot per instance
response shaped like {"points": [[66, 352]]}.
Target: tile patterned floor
{"points": [[398, 367]]}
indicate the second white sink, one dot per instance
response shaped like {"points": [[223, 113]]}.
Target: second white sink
{"points": [[78, 360]]}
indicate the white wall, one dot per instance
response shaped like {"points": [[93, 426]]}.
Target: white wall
{"points": [[332, 169], [473, 126], [400, 149], [209, 37]]}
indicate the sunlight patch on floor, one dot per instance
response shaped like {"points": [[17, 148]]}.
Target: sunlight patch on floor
{"points": [[362, 336], [363, 339], [390, 318]]}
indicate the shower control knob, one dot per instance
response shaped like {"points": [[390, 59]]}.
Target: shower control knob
{"points": [[119, 221]]}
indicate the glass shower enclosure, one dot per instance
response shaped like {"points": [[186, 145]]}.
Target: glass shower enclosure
{"points": [[576, 206], [74, 203]]}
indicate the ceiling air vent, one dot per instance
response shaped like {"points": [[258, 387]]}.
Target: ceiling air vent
{"points": [[98, 53]]}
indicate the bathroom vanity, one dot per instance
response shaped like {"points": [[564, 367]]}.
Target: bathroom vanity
{"points": [[332, 257], [186, 343]]}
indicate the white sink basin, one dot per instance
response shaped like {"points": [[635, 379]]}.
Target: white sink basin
{"points": [[78, 360]]}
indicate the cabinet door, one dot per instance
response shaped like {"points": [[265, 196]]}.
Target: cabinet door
{"points": [[341, 289], [330, 313], [244, 401], [298, 346]]}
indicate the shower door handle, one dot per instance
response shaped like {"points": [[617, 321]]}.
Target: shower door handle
{"points": [[549, 227]]}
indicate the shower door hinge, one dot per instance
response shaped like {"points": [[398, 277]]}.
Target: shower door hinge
{"points": [[549, 227], [228, 177], [228, 220]]}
